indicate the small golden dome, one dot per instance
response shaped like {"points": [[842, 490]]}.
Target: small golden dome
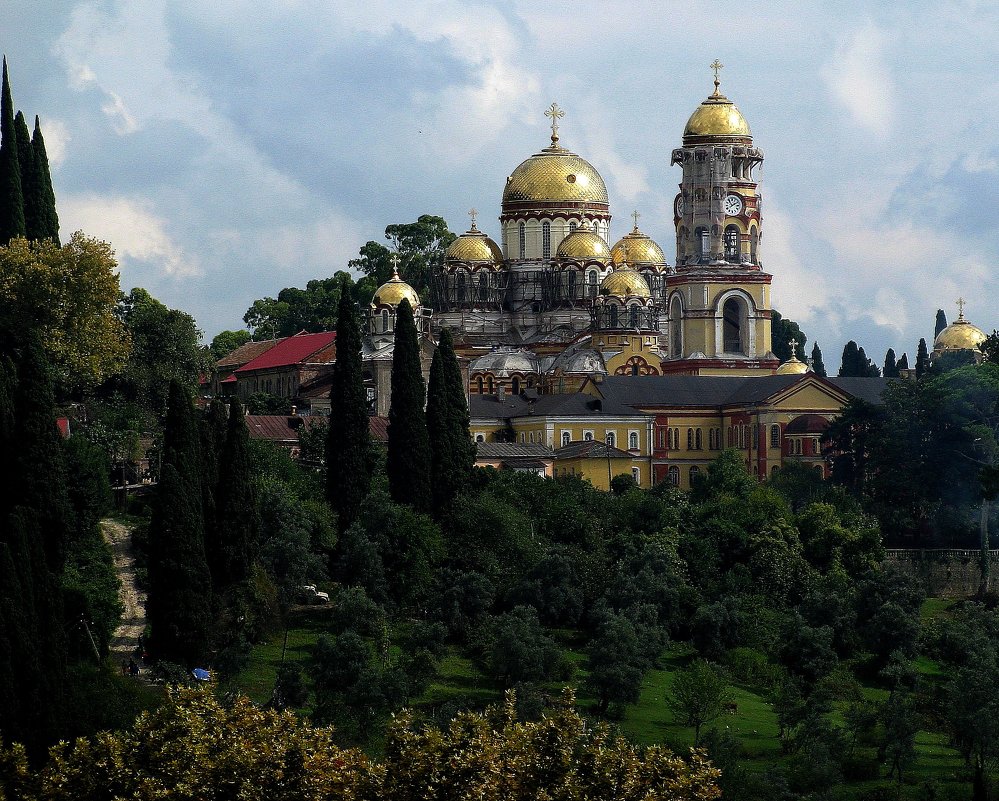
{"points": [[473, 245], [583, 245], [637, 248], [555, 174], [793, 366], [959, 335], [623, 282], [392, 292], [717, 117]]}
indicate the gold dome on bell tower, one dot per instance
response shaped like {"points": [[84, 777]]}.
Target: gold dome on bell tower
{"points": [[717, 117]]}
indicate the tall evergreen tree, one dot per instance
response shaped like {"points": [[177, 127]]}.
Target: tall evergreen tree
{"points": [[237, 505], [179, 581], [408, 463], [902, 364], [452, 452], [850, 363], [891, 365], [179, 599], [783, 332], [865, 367], [46, 224], [922, 359], [11, 196], [818, 366], [941, 323], [23, 150], [212, 427], [348, 458]]}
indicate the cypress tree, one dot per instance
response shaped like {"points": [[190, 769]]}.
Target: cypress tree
{"points": [[11, 197], [452, 452], [865, 367], [212, 428], [902, 364], [179, 597], [46, 216], [891, 365], [23, 152], [818, 366], [348, 458], [179, 581], [941, 323], [237, 505], [408, 462], [850, 363], [922, 359]]}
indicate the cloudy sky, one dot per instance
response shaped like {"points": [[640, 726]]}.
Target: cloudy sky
{"points": [[228, 149]]}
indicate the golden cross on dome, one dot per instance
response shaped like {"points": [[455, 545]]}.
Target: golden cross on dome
{"points": [[556, 114], [635, 215], [794, 348], [395, 265], [960, 308], [716, 65], [473, 213]]}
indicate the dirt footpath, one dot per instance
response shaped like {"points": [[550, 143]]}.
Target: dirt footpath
{"points": [[133, 619]]}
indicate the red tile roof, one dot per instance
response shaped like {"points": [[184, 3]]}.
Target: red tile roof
{"points": [[378, 428], [289, 351], [284, 428], [246, 352]]}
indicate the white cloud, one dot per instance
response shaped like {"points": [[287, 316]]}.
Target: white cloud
{"points": [[122, 119], [57, 136], [859, 78], [135, 232]]}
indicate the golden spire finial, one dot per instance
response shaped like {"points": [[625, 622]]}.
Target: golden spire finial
{"points": [[635, 215], [473, 213], [716, 65], [960, 308], [395, 265], [556, 114]]}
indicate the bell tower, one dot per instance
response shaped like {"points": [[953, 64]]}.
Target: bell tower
{"points": [[718, 299]]}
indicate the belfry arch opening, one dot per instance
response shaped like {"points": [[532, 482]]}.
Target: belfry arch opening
{"points": [[675, 328], [734, 326]]}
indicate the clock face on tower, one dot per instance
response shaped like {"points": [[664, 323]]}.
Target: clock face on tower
{"points": [[733, 205], [678, 205]]}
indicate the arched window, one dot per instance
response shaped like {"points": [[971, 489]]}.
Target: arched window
{"points": [[611, 439], [701, 239], [571, 285], [695, 471], [480, 438], [756, 436], [673, 475], [566, 438], [530, 437], [483, 287], [775, 436], [697, 439], [633, 316], [636, 474], [732, 327], [675, 317], [690, 439], [460, 287], [523, 240], [732, 243], [612, 311], [587, 436], [592, 279], [478, 384], [633, 441], [754, 238], [572, 226], [815, 446], [492, 386], [669, 438], [385, 320], [515, 385], [546, 240]]}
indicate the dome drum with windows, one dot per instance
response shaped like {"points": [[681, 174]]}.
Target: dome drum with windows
{"points": [[474, 247]]}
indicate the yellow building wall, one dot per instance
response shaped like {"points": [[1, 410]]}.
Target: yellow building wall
{"points": [[595, 470]]}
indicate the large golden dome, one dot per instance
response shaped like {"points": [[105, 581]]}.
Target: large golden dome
{"points": [[392, 292], [583, 245], [717, 117], [959, 335], [555, 175], [637, 248], [623, 282], [473, 245]]}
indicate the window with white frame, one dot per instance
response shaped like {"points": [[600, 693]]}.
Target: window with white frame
{"points": [[633, 440], [566, 438], [611, 439], [587, 436]]}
